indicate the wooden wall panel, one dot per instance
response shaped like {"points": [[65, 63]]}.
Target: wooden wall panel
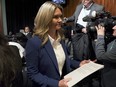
{"points": [[110, 5], [70, 7]]}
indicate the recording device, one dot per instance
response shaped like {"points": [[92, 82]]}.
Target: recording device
{"points": [[103, 18], [64, 20]]}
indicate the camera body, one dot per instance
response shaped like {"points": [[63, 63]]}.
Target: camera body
{"points": [[103, 18]]}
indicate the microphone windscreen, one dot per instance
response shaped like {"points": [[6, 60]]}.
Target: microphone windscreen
{"points": [[94, 13]]}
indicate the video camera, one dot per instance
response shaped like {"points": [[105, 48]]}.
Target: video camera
{"points": [[103, 18]]}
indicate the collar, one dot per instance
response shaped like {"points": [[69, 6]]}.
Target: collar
{"points": [[53, 41], [87, 8]]}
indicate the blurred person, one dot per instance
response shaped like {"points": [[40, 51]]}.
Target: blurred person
{"points": [[80, 37], [82, 10], [46, 55], [21, 31], [106, 54], [10, 65], [21, 39], [21, 49], [27, 32]]}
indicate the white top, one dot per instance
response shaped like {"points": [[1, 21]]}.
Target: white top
{"points": [[21, 49], [59, 52], [84, 12]]}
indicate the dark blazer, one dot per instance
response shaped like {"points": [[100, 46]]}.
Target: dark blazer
{"points": [[109, 60], [29, 35], [81, 50], [42, 65]]}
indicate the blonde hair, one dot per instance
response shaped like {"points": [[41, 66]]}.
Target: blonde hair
{"points": [[43, 20]]}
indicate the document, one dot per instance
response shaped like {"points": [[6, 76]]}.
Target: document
{"points": [[82, 72]]}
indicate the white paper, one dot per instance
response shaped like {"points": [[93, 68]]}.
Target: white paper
{"points": [[82, 72]]}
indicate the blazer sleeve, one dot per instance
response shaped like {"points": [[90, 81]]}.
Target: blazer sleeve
{"points": [[32, 57]]}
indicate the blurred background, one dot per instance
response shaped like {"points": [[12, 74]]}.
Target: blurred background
{"points": [[16, 14]]}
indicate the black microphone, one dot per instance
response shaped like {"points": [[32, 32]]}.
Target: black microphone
{"points": [[90, 17], [87, 18]]}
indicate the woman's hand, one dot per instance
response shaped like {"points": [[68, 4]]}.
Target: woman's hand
{"points": [[84, 62], [63, 82]]}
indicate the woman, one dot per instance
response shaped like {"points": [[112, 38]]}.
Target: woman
{"points": [[46, 55]]}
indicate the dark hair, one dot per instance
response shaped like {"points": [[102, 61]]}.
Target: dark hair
{"points": [[9, 63], [3, 40]]}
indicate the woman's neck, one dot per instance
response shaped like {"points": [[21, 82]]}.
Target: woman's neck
{"points": [[53, 34]]}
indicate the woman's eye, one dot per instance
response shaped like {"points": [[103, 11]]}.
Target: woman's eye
{"points": [[57, 16]]}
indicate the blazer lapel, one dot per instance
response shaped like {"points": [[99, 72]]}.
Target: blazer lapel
{"points": [[93, 8], [51, 54], [67, 61], [78, 12]]}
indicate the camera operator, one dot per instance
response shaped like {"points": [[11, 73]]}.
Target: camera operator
{"points": [[107, 56], [80, 37]]}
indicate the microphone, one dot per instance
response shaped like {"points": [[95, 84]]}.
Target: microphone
{"points": [[64, 20], [87, 19], [92, 17], [94, 14], [100, 14]]}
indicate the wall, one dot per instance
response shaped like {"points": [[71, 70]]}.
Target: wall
{"points": [[22, 12], [70, 7], [110, 5]]}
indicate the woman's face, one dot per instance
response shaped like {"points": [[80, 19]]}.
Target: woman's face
{"points": [[57, 20]]}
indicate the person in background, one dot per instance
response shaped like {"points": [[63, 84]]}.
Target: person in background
{"points": [[21, 31], [27, 32], [80, 37], [21, 39], [107, 56], [10, 65], [46, 55], [82, 10], [20, 48]]}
